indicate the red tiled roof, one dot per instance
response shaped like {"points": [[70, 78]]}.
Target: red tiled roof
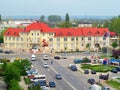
{"points": [[113, 34], [58, 31], [13, 31]]}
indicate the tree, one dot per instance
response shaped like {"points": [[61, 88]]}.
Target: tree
{"points": [[66, 24], [88, 46], [0, 18], [11, 73], [67, 17], [42, 18], [114, 44], [1, 35], [54, 18]]}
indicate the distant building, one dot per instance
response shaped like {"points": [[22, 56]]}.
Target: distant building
{"points": [[85, 24], [39, 36]]}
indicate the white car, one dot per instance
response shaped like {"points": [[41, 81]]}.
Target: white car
{"points": [[45, 57], [45, 65]]}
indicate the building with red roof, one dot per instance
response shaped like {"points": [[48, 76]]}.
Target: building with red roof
{"points": [[39, 36]]}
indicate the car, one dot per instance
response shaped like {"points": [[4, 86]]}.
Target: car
{"points": [[57, 57], [1, 51], [73, 68], [104, 77], [77, 61], [45, 65], [58, 76], [69, 65], [93, 72], [45, 57], [118, 68], [52, 84], [86, 71], [45, 88], [114, 70], [105, 88], [91, 81], [63, 57]]}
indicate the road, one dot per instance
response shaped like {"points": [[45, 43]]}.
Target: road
{"points": [[70, 80]]}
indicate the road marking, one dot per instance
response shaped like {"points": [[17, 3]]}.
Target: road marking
{"points": [[64, 80]]}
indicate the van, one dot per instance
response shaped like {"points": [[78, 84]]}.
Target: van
{"points": [[33, 57], [45, 57]]}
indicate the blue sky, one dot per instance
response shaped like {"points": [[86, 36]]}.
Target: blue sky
{"points": [[59, 7]]}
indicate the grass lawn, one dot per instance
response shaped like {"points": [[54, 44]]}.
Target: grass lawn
{"points": [[114, 84], [98, 68]]}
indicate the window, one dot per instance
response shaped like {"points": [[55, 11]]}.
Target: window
{"points": [[76, 38], [104, 38], [82, 38], [97, 38], [9, 38], [13, 38], [38, 34], [82, 44], [65, 45], [21, 39], [58, 39], [58, 46], [72, 45], [89, 38], [72, 38], [32, 34], [65, 39], [51, 39]]}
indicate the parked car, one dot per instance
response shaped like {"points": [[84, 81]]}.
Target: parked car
{"points": [[45, 65], [105, 88], [52, 84], [1, 51], [58, 76], [118, 68], [45, 88], [114, 70], [86, 71], [93, 72], [77, 61], [69, 66], [45, 57], [104, 77], [73, 68], [57, 57], [91, 81], [63, 57]]}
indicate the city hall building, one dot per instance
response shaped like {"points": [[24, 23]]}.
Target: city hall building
{"points": [[40, 37]]}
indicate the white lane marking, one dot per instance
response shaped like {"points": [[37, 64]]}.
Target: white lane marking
{"points": [[65, 80]]}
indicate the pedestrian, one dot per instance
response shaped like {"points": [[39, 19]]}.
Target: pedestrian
{"points": [[51, 62]]}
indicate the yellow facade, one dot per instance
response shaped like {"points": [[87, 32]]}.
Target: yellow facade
{"points": [[33, 40]]}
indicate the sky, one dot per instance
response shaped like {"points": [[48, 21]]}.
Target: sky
{"points": [[59, 7]]}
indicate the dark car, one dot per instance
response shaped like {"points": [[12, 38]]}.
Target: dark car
{"points": [[91, 81], [104, 77], [93, 72], [86, 71], [77, 61], [58, 76], [73, 68], [1, 51], [114, 70], [118, 68], [41, 83], [105, 88], [52, 84], [57, 57]]}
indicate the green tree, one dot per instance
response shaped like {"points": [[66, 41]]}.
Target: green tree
{"points": [[54, 18], [42, 18], [114, 44], [11, 73], [67, 19], [88, 46], [13, 85], [0, 18], [1, 35], [66, 24]]}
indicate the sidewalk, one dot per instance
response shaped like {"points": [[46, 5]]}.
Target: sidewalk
{"points": [[22, 84]]}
